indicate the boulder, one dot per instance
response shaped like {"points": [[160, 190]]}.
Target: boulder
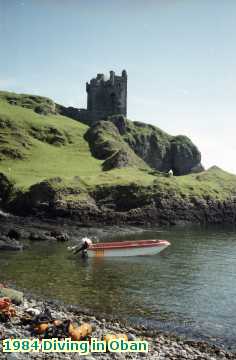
{"points": [[9, 244], [14, 295], [186, 157], [60, 236], [3, 214], [41, 237], [119, 160], [14, 234], [6, 188]]}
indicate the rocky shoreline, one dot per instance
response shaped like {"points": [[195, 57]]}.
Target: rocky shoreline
{"points": [[122, 206], [15, 230], [165, 202], [161, 346]]}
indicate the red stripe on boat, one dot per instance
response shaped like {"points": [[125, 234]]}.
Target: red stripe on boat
{"points": [[129, 244]]}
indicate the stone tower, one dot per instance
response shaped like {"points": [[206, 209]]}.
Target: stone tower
{"points": [[107, 96]]}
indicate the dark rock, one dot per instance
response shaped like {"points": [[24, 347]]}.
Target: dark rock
{"points": [[42, 193], [6, 188], [3, 214], [101, 147], [39, 104], [60, 236], [120, 122], [11, 153], [14, 234], [49, 134], [152, 147], [120, 142], [136, 205], [8, 244], [42, 110], [107, 144], [15, 295], [41, 237], [119, 160], [186, 158]]}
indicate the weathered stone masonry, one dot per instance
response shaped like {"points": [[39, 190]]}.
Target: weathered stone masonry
{"points": [[105, 97]]}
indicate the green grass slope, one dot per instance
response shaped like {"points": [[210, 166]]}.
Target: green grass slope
{"points": [[37, 145], [213, 183], [34, 147]]}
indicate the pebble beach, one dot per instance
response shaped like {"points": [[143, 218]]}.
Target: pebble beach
{"points": [[161, 346]]}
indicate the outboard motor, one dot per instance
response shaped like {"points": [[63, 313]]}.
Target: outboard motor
{"points": [[86, 242]]}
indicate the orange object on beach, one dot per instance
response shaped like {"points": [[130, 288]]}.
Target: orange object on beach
{"points": [[6, 308], [77, 333], [4, 303], [41, 328], [57, 322], [111, 337]]}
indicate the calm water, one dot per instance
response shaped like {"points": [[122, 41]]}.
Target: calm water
{"points": [[189, 289]]}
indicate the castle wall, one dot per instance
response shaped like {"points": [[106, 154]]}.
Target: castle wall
{"points": [[83, 115], [104, 98], [107, 97]]}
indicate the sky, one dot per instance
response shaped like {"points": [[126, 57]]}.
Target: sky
{"points": [[180, 56]]}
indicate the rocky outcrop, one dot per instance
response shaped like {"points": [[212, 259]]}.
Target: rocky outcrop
{"points": [[118, 160], [14, 234], [9, 244], [107, 144], [127, 204], [148, 142], [124, 142], [6, 189], [50, 135], [40, 104], [185, 156]]}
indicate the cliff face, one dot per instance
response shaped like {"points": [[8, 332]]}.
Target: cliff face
{"points": [[198, 199], [157, 149]]}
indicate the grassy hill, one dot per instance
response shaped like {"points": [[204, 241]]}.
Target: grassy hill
{"points": [[34, 147], [38, 144]]}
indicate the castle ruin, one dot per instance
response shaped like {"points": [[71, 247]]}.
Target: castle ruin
{"points": [[105, 97]]}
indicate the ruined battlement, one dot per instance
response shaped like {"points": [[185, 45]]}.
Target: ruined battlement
{"points": [[102, 80]]}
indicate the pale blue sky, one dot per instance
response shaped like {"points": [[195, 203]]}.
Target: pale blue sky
{"points": [[180, 57]]}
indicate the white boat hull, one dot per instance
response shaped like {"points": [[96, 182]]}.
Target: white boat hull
{"points": [[142, 251]]}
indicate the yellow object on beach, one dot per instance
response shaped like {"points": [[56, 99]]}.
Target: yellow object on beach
{"points": [[41, 328], [77, 333], [111, 337]]}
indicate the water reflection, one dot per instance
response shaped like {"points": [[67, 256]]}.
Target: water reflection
{"points": [[188, 288]]}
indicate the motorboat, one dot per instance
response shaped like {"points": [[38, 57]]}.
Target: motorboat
{"points": [[121, 248]]}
